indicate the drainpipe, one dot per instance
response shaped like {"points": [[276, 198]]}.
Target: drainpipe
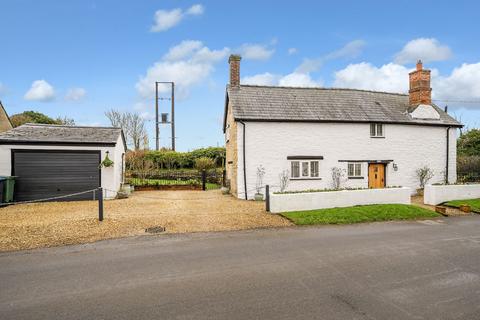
{"points": [[448, 152], [244, 161]]}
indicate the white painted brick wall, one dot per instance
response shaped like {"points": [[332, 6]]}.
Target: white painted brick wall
{"points": [[410, 146], [286, 202], [438, 194]]}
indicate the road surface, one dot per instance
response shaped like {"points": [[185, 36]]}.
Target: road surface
{"points": [[397, 270]]}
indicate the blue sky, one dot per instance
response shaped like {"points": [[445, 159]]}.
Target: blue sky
{"points": [[81, 58]]}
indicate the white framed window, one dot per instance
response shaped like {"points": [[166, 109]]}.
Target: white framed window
{"points": [[377, 130], [314, 169], [354, 170], [304, 169], [295, 170]]}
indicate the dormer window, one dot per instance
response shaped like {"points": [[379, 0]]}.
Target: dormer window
{"points": [[376, 130]]}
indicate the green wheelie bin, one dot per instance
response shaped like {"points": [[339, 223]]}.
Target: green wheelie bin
{"points": [[9, 185]]}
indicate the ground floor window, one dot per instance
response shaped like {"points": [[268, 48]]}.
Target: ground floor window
{"points": [[354, 170], [304, 169]]}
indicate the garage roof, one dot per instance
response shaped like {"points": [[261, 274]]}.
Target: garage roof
{"points": [[33, 133]]}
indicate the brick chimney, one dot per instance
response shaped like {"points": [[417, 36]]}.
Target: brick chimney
{"points": [[420, 91], [234, 62]]}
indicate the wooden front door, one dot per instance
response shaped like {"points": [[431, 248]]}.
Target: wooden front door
{"points": [[376, 175]]}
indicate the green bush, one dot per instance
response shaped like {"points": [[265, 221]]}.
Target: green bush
{"points": [[167, 159], [204, 163]]}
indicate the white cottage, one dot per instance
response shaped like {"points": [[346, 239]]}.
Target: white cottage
{"points": [[377, 139], [53, 160]]}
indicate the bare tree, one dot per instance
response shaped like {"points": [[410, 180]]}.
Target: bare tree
{"points": [[132, 124], [117, 119], [136, 129]]}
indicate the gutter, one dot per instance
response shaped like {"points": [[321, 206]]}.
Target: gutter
{"points": [[244, 161], [448, 152]]}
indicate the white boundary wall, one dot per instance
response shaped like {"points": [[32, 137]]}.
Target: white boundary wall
{"points": [[330, 199], [434, 195]]}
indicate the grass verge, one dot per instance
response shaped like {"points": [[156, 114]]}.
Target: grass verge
{"points": [[473, 203], [370, 213]]}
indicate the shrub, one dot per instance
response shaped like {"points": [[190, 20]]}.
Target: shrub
{"points": [[204, 163], [338, 176], [468, 169], [424, 175]]}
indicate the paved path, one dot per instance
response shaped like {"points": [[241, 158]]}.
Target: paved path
{"points": [[402, 270]]}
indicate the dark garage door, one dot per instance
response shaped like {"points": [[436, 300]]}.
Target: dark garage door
{"points": [[43, 174]]}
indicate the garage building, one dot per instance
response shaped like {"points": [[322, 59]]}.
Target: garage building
{"points": [[53, 160]]}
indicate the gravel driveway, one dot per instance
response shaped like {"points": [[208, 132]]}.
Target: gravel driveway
{"points": [[60, 223]]}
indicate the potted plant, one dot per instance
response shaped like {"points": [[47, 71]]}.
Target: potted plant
{"points": [[106, 163], [424, 175], [226, 188], [259, 184]]}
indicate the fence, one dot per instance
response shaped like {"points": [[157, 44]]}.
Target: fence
{"points": [[468, 177], [176, 179]]}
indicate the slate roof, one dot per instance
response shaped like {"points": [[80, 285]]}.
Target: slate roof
{"points": [[269, 103], [32, 133]]}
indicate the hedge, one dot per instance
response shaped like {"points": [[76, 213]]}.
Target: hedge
{"points": [[167, 159]]}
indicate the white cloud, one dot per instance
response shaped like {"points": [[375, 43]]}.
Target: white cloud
{"points": [[426, 49], [187, 64], [254, 51], [262, 79], [299, 80], [350, 50], [166, 19], [462, 84], [41, 90], [182, 50], [293, 79], [292, 51], [75, 94], [390, 77], [196, 10], [301, 76]]}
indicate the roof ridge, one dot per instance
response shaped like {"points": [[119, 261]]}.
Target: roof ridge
{"points": [[323, 88], [67, 126]]}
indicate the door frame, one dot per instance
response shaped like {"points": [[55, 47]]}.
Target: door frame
{"points": [[384, 173]]}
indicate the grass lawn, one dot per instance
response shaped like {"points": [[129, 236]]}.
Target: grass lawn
{"points": [[378, 212], [473, 203]]}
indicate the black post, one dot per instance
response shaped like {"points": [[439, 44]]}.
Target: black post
{"points": [[204, 180], [100, 203], [267, 198], [173, 116], [157, 130]]}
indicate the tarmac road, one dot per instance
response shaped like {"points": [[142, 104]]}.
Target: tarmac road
{"points": [[397, 270]]}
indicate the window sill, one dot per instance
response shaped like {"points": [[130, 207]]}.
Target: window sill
{"points": [[374, 137], [302, 179], [355, 178]]}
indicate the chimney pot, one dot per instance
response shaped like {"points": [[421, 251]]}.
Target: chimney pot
{"points": [[234, 62], [419, 65]]}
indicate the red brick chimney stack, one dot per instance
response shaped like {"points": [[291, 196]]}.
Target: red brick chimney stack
{"points": [[234, 62], [420, 91]]}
